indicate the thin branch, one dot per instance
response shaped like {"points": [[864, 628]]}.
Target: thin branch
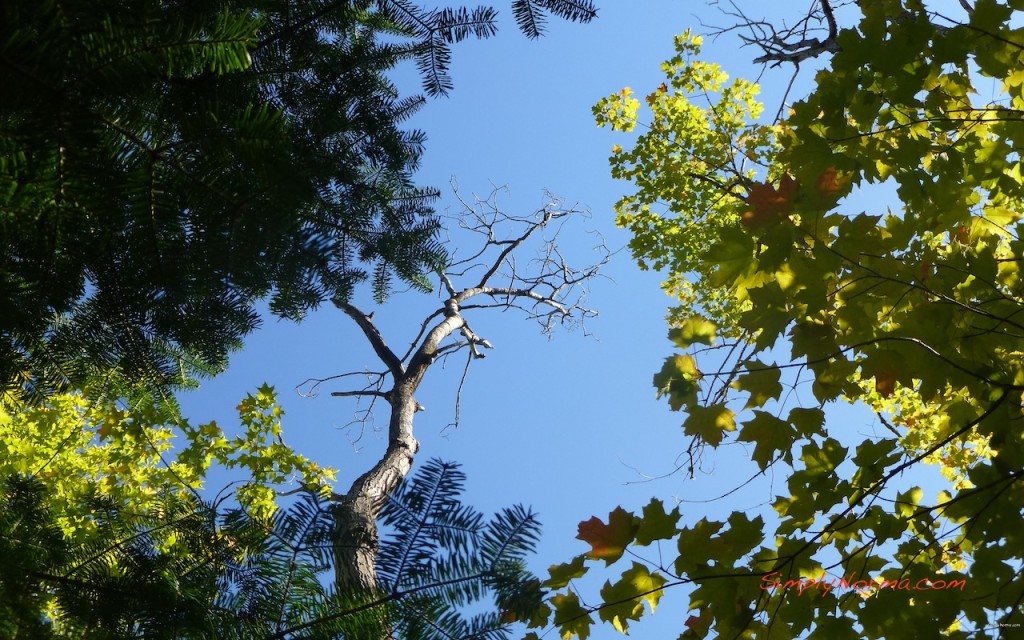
{"points": [[386, 355], [363, 393], [792, 44], [313, 390]]}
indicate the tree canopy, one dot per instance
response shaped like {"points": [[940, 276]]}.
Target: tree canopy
{"points": [[864, 248], [180, 567], [164, 166]]}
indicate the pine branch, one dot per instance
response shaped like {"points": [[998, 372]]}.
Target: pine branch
{"points": [[529, 17], [573, 10]]}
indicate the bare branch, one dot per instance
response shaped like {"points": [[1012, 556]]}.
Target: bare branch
{"points": [[812, 35], [363, 393], [386, 355], [423, 330], [495, 274], [314, 388]]}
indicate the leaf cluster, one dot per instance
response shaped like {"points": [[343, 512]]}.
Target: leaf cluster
{"points": [[176, 163], [83, 450], [912, 309], [444, 558], [179, 567], [693, 167]]}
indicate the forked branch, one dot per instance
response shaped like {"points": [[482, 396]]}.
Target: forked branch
{"points": [[814, 34], [512, 262]]}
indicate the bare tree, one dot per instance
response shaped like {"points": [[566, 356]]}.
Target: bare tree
{"points": [[493, 275]]}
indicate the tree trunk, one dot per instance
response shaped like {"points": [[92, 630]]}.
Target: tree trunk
{"points": [[549, 284], [356, 541]]}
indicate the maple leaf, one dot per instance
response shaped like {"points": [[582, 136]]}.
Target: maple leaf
{"points": [[106, 428], [656, 524], [624, 599], [885, 383], [697, 625], [887, 368], [608, 541], [562, 574], [831, 186], [768, 203], [963, 235]]}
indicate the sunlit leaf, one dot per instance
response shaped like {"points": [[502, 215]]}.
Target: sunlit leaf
{"points": [[608, 541]]}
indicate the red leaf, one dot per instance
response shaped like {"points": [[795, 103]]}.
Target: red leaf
{"points": [[885, 383], [768, 203], [608, 541], [830, 185]]}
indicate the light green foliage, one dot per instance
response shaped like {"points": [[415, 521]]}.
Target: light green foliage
{"points": [[700, 147], [914, 307], [83, 450]]}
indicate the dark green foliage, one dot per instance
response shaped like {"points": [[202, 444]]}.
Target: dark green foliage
{"points": [[442, 556], [30, 542], [531, 15], [183, 571], [166, 165]]}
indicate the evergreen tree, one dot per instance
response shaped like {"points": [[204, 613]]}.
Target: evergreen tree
{"points": [[165, 165], [189, 570]]}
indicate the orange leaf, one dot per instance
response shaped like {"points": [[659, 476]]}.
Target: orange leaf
{"points": [[697, 626], [104, 431], [769, 204], [963, 235], [885, 383], [924, 270], [608, 541], [830, 185]]}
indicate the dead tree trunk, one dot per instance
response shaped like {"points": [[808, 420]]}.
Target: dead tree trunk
{"points": [[550, 291]]}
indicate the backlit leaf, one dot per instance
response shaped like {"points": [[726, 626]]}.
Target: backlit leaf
{"points": [[608, 541]]}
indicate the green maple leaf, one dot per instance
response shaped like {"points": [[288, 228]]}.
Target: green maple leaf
{"points": [[561, 574], [732, 257], [678, 380], [572, 618], [626, 596], [769, 435], [697, 545], [693, 330], [710, 423], [761, 382], [822, 460], [656, 524]]}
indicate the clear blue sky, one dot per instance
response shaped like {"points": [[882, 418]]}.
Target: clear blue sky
{"points": [[571, 425]]}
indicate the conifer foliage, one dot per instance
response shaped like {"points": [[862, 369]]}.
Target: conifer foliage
{"points": [[165, 165], [189, 570]]}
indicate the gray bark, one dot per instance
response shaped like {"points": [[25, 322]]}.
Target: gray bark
{"points": [[356, 512], [551, 293]]}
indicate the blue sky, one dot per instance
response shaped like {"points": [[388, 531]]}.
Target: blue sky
{"points": [[569, 425]]}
